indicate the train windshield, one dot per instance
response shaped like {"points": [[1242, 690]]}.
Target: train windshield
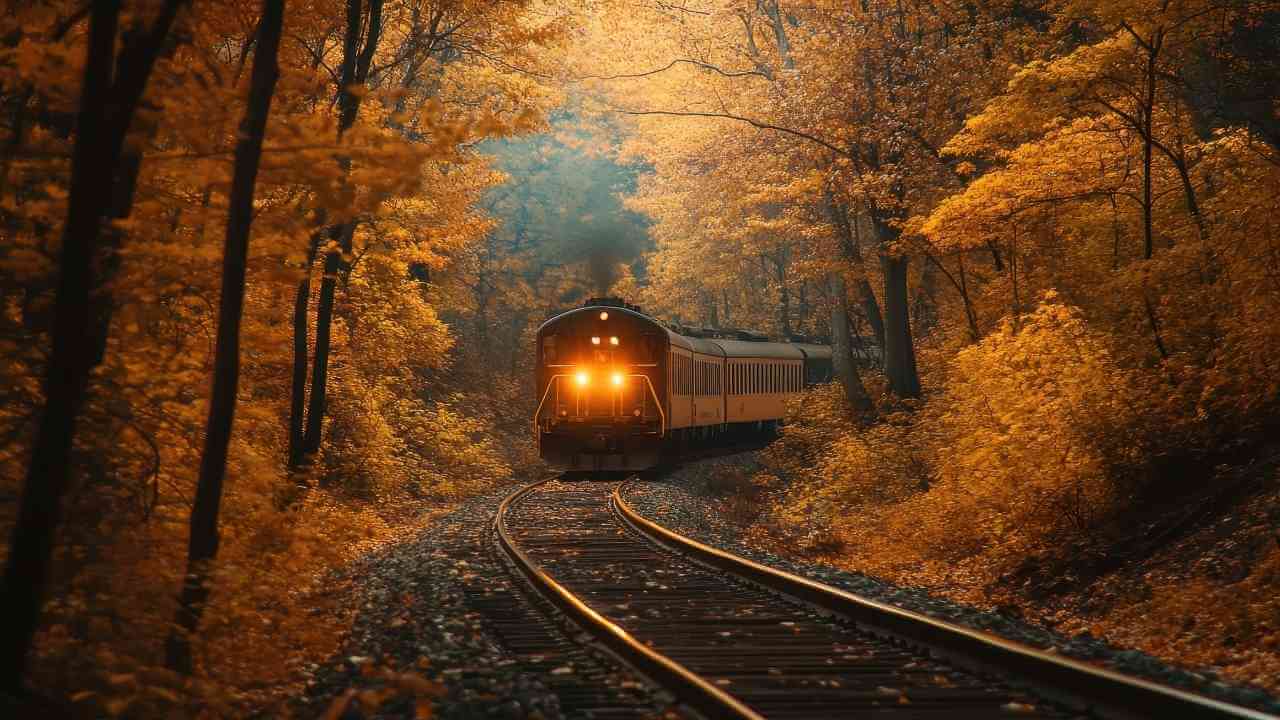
{"points": [[569, 349]]}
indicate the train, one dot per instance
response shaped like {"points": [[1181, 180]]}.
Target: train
{"points": [[618, 390]]}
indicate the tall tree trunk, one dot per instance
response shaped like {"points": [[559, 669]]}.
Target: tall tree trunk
{"points": [[1148, 144], [899, 354], [354, 71], [784, 294], [320, 363], [842, 360], [848, 236], [871, 308], [202, 546], [298, 393], [67, 376]]}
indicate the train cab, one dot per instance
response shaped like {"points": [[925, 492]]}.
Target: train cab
{"points": [[600, 384]]}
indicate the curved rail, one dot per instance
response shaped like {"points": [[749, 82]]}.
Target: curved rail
{"points": [[1108, 693], [686, 685]]}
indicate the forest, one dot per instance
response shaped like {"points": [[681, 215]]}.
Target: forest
{"points": [[270, 274]]}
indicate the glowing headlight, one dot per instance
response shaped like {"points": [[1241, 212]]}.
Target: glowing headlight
{"points": [[613, 340], [618, 379], [595, 341], [582, 378], [604, 315]]}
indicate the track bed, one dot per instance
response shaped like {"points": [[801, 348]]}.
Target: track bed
{"points": [[777, 657]]}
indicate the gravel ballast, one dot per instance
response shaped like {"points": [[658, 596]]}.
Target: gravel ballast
{"points": [[670, 499], [437, 605]]}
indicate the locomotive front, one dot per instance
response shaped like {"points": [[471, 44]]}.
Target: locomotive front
{"points": [[601, 377]]}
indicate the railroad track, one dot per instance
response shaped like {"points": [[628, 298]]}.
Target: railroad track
{"points": [[734, 639]]}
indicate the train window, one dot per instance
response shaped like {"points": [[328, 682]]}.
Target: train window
{"points": [[549, 350]]}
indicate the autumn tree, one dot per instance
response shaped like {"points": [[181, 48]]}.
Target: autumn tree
{"points": [[101, 187]]}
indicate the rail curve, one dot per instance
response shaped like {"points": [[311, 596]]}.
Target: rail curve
{"points": [[686, 685]]}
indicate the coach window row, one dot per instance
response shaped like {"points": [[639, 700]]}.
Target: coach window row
{"points": [[699, 377], [695, 377], [763, 379]]}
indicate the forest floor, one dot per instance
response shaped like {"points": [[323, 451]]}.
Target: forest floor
{"points": [[428, 641], [1175, 596]]}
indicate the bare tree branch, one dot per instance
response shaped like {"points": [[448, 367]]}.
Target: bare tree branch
{"points": [[673, 63]]}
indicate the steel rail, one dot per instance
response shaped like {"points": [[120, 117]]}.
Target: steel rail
{"points": [[687, 686], [1107, 693]]}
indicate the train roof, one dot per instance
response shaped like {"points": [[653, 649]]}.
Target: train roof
{"points": [[743, 348], [814, 352], [707, 346], [612, 309]]}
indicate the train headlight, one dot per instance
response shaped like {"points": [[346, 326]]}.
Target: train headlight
{"points": [[595, 341], [582, 378], [618, 379], [604, 315], [613, 340]]}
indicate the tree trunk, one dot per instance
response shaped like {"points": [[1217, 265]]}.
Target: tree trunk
{"points": [[842, 360], [202, 547], [784, 294], [354, 71], [298, 395], [1148, 143], [67, 375], [899, 355], [849, 242], [320, 364]]}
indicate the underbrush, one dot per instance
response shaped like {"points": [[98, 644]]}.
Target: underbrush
{"points": [[279, 603]]}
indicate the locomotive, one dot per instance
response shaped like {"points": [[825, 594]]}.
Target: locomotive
{"points": [[618, 390]]}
